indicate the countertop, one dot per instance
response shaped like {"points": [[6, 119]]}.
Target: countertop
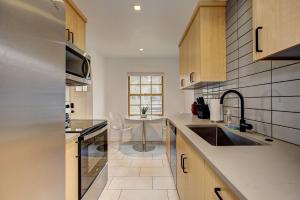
{"points": [[270, 171], [78, 127]]}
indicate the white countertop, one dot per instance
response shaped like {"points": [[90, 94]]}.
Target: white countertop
{"points": [[253, 172], [71, 136]]}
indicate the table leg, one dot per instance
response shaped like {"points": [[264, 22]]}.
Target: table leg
{"points": [[144, 136], [143, 147]]}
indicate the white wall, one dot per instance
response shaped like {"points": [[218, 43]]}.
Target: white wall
{"points": [[116, 83], [98, 77]]}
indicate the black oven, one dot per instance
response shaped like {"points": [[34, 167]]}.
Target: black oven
{"points": [[92, 147], [78, 66]]}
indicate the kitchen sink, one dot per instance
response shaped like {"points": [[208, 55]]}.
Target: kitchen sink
{"points": [[217, 136]]}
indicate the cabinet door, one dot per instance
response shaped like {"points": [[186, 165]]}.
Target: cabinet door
{"points": [[195, 176], [168, 142], [276, 26], [79, 32], [181, 177], [213, 181], [224, 192], [182, 64], [71, 170], [70, 23], [194, 52]]}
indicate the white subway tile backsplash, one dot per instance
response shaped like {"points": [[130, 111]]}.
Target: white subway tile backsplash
{"points": [[255, 68], [258, 103], [286, 134], [282, 63], [233, 65], [256, 79], [258, 115], [257, 91], [291, 104], [261, 127], [287, 73], [245, 39], [232, 75], [233, 37], [289, 88], [286, 119], [232, 56], [245, 28]]}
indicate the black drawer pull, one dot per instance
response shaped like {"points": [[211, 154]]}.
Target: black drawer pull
{"points": [[217, 190], [257, 39], [183, 165], [72, 34], [181, 156], [68, 31]]}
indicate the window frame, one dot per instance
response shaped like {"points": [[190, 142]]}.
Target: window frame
{"points": [[151, 94]]}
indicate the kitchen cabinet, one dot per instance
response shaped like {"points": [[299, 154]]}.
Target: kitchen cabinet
{"points": [[71, 170], [75, 25], [195, 178], [276, 29], [202, 49]]}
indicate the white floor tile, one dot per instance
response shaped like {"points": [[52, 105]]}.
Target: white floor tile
{"points": [[155, 171], [138, 183], [119, 163], [140, 156], [163, 183], [160, 155], [172, 194], [124, 171], [147, 163], [144, 195], [110, 195]]}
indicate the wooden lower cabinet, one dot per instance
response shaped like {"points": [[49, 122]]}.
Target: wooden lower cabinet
{"points": [[196, 180], [72, 170]]}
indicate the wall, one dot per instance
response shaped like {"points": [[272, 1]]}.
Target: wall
{"points": [[116, 96], [116, 84], [271, 88]]}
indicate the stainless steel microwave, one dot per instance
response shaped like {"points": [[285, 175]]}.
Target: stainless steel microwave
{"points": [[78, 66]]}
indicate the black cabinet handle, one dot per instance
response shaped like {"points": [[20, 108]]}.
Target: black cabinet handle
{"points": [[191, 77], [72, 34], [181, 156], [183, 165], [217, 190], [181, 82], [68, 30], [257, 39]]}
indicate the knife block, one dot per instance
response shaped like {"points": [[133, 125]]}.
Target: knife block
{"points": [[203, 111]]}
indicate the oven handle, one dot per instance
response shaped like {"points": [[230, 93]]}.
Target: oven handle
{"points": [[93, 134]]}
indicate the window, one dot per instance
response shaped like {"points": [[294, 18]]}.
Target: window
{"points": [[145, 91]]}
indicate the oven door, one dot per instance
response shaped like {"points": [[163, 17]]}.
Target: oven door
{"points": [[92, 159]]}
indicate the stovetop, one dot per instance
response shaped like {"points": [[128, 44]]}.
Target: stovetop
{"points": [[79, 126]]}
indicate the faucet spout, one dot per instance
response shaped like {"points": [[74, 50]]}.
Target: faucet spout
{"points": [[243, 125]]}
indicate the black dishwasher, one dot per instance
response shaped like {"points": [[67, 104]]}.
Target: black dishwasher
{"points": [[173, 150]]}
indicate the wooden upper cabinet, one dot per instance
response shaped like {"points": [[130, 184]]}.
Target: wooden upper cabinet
{"points": [[276, 29], [203, 45], [76, 24]]}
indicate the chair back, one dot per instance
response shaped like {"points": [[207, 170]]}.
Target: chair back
{"points": [[116, 121]]}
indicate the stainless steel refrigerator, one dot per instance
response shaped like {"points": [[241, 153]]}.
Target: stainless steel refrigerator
{"points": [[32, 86]]}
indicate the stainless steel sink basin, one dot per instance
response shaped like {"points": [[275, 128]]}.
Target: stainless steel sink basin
{"points": [[217, 136]]}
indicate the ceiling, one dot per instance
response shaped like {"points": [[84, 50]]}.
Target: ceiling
{"points": [[116, 30]]}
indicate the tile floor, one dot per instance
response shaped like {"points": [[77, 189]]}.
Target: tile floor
{"points": [[138, 176]]}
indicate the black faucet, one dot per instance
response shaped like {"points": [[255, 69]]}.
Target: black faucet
{"points": [[243, 125]]}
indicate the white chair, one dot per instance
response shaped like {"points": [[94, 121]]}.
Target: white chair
{"points": [[116, 122]]}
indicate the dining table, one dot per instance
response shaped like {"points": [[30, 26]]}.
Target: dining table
{"points": [[143, 146]]}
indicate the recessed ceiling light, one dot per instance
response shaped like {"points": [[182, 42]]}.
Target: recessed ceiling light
{"points": [[137, 7], [141, 49]]}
